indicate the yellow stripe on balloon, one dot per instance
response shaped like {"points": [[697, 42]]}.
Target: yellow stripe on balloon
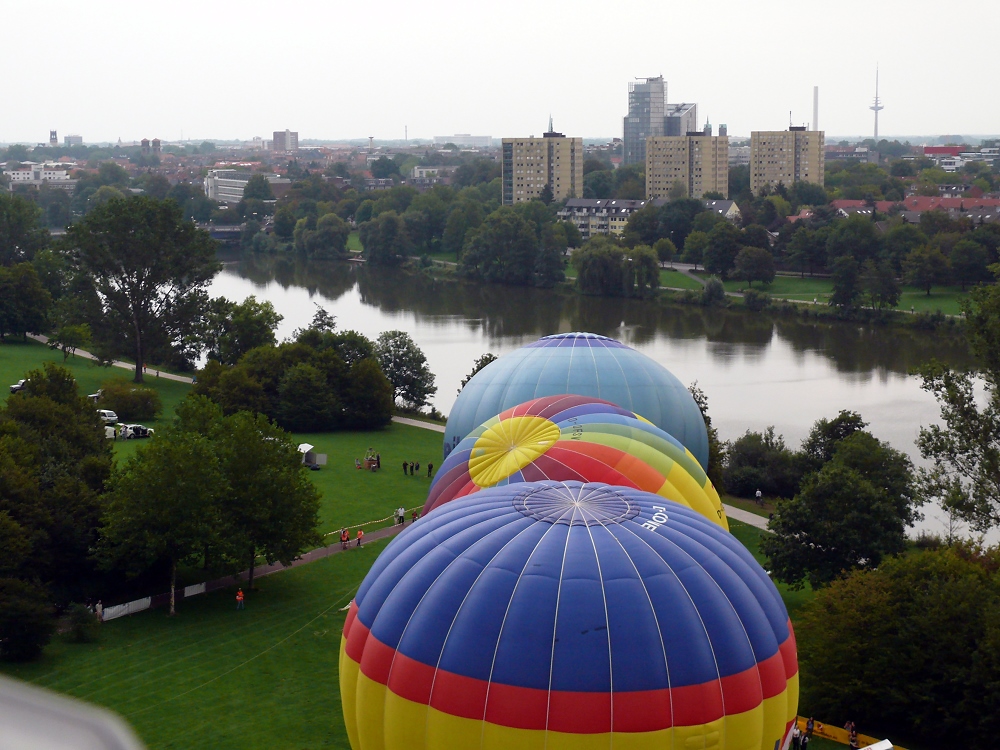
{"points": [[397, 723]]}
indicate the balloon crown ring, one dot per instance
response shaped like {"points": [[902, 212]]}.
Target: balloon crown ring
{"points": [[572, 504]]}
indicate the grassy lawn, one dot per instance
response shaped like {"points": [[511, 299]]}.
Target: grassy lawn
{"points": [[351, 496], [750, 536], [678, 280], [354, 242], [215, 678], [17, 358]]}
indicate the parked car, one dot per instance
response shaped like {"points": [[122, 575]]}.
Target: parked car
{"points": [[18, 386], [107, 416], [133, 431]]}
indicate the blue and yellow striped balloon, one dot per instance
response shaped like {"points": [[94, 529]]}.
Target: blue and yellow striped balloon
{"points": [[556, 615]]}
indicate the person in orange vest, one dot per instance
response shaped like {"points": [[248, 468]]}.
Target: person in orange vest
{"points": [[361, 535], [345, 538], [239, 598]]}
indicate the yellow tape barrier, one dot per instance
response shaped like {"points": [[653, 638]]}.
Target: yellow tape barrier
{"points": [[839, 735], [369, 523]]}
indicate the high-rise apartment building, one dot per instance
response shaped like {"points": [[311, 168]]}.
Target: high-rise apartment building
{"points": [[529, 164], [698, 160], [786, 156], [650, 115], [73, 140], [285, 142]]}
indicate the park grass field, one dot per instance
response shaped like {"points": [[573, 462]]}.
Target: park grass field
{"points": [[677, 280], [213, 678], [265, 678], [354, 242]]}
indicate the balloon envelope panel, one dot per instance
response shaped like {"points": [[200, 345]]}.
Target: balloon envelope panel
{"points": [[584, 364], [564, 614], [575, 438]]}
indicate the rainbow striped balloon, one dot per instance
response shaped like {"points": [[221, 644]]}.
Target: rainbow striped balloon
{"points": [[567, 615], [578, 438]]}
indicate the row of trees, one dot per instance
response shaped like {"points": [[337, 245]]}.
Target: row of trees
{"points": [[220, 491]]}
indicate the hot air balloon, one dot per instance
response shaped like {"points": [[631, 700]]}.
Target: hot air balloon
{"points": [[567, 615], [583, 364], [575, 438]]}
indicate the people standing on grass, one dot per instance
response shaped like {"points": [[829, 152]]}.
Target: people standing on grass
{"points": [[430, 468], [411, 468], [796, 737], [360, 536], [378, 460], [239, 598], [405, 465]]}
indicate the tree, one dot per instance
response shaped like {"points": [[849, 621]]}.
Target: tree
{"points": [[925, 267], [258, 188], [827, 434], [69, 338], [21, 230], [754, 264], [666, 251], [599, 266], [839, 521], [307, 403], [164, 503], [150, 268], [808, 194], [24, 302], [879, 285], [270, 508], [368, 403], [385, 240], [713, 293], [900, 241], [330, 238], [478, 365], [284, 222], [846, 282], [503, 249], [806, 251], [755, 235], [546, 196], [464, 217], [722, 248], [406, 368], [927, 625], [26, 622], [234, 328], [677, 190], [968, 261], [716, 451], [694, 248], [761, 461], [384, 167], [856, 237]]}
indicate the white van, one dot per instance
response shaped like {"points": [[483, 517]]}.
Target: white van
{"points": [[107, 416]]}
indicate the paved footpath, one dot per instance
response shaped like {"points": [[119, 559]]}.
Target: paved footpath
{"points": [[151, 373], [740, 515]]}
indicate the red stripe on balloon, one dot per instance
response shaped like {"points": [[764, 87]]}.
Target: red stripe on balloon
{"points": [[567, 711], [789, 653]]}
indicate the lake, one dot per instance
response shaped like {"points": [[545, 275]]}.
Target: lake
{"points": [[756, 370]]}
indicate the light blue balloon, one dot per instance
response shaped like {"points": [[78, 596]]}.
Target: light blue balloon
{"points": [[583, 364]]}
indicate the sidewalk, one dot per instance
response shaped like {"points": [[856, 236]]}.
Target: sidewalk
{"points": [[150, 372]]}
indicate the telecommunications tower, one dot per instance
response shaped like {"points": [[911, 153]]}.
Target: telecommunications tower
{"points": [[876, 105]]}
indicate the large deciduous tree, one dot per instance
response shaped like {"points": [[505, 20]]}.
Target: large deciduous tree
{"points": [[150, 268], [21, 230], [406, 368], [234, 328], [503, 249], [754, 264]]}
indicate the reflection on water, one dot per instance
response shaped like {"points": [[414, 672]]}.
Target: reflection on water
{"points": [[757, 371]]}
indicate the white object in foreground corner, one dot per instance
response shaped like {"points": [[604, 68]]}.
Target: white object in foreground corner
{"points": [[41, 720], [883, 745]]}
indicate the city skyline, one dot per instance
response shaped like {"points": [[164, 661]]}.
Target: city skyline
{"points": [[159, 66]]}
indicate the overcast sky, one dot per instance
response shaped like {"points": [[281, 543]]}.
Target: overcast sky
{"points": [[329, 70]]}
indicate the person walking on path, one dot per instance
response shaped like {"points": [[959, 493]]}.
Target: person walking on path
{"points": [[415, 516], [430, 468], [760, 499], [239, 599], [361, 535], [345, 539]]}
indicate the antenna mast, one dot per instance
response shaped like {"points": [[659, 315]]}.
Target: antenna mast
{"points": [[876, 105]]}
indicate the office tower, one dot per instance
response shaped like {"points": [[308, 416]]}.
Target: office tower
{"points": [[285, 142], [647, 99]]}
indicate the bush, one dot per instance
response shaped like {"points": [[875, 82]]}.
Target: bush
{"points": [[756, 300], [83, 624], [714, 293], [130, 401]]}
